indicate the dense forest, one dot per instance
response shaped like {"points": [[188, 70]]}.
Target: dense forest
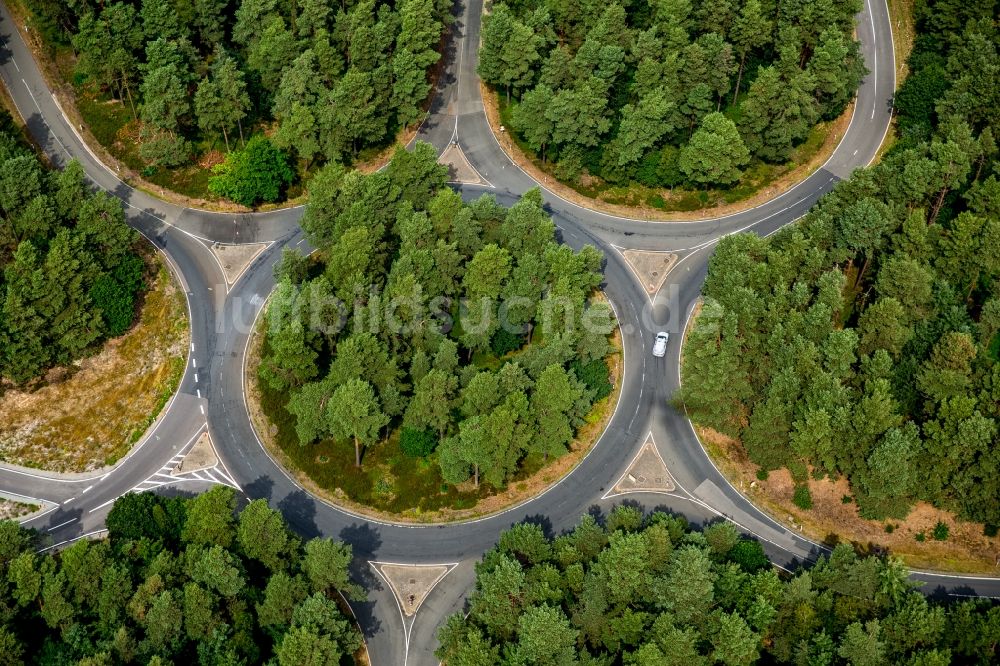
{"points": [[670, 91], [177, 581], [69, 275], [466, 325], [333, 77], [863, 341], [649, 592]]}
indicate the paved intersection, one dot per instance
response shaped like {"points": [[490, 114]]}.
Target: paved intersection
{"points": [[222, 313]]}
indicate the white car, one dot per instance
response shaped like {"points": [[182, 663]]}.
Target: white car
{"points": [[660, 344]]}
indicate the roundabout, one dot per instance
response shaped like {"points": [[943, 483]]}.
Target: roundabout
{"points": [[403, 610]]}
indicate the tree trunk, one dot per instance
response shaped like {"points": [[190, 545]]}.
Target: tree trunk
{"points": [[128, 91], [475, 475], [357, 453], [225, 137], [936, 208], [239, 123], [979, 167], [864, 268], [739, 78]]}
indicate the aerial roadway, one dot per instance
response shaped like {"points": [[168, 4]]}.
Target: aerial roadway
{"points": [[211, 393]]}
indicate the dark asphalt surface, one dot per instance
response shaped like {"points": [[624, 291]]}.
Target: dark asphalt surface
{"points": [[211, 393]]}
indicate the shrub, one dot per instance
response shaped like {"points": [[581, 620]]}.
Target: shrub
{"points": [[115, 294], [798, 470], [417, 443], [163, 149], [258, 173], [503, 342], [990, 530], [802, 497], [919, 536], [749, 555], [762, 474], [594, 375], [940, 532], [846, 499]]}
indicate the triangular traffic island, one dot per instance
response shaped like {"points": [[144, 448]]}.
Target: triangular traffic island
{"points": [[201, 456], [234, 259], [650, 268], [411, 583], [460, 170], [647, 473]]}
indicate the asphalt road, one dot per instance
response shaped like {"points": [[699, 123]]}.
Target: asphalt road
{"points": [[211, 393]]}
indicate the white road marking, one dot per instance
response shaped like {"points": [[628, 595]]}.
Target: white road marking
{"points": [[86, 490], [55, 527], [202, 408], [196, 378], [198, 391], [68, 501], [874, 60]]}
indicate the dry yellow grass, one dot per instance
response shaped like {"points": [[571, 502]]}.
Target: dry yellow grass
{"points": [[11, 510], [966, 549], [106, 402]]}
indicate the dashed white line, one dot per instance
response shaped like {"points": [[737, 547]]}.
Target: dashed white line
{"points": [[55, 527], [198, 391], [68, 501], [202, 408], [86, 490]]}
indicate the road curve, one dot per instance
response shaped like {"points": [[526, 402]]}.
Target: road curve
{"points": [[211, 393]]}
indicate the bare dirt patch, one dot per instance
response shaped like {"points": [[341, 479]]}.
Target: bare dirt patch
{"points": [[646, 473], [11, 510], [515, 493], [102, 405], [411, 583], [830, 520], [651, 268]]}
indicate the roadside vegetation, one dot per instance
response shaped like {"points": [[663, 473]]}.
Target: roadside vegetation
{"points": [[12, 509], [176, 89], [648, 591], [451, 348], [671, 105], [70, 273], [179, 581], [862, 343], [88, 414]]}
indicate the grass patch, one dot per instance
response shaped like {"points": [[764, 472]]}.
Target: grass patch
{"points": [[90, 414]]}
